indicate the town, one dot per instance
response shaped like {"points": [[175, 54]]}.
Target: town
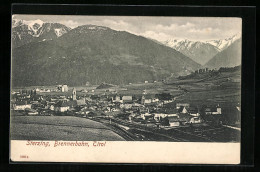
{"points": [[133, 116]]}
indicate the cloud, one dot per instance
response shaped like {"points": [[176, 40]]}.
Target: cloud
{"points": [[162, 29], [160, 36], [207, 30], [159, 28], [70, 23]]}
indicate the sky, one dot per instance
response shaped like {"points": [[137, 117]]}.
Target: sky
{"points": [[158, 28]]}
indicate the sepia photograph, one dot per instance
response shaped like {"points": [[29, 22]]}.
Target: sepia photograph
{"points": [[151, 79]]}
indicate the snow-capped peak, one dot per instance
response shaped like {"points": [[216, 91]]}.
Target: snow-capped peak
{"points": [[34, 24], [179, 44], [94, 27], [60, 31], [16, 22], [236, 36], [30, 23], [37, 27], [36, 30], [224, 43], [219, 44]]}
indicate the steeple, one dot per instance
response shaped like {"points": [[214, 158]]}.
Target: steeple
{"points": [[74, 97]]}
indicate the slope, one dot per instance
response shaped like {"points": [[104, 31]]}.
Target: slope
{"points": [[24, 32], [229, 57], [200, 52], [95, 54]]}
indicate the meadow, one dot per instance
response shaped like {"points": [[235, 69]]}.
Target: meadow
{"points": [[60, 128]]}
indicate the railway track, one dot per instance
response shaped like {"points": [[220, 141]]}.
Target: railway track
{"points": [[174, 134], [137, 129], [119, 130]]}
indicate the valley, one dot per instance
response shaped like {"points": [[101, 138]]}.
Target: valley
{"points": [[134, 120], [93, 82]]}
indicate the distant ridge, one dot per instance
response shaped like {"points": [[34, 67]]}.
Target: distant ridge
{"points": [[201, 51], [224, 43], [229, 57], [24, 32], [197, 51]]}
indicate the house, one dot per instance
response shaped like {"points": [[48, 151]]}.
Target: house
{"points": [[22, 106], [63, 88], [61, 106], [45, 90], [126, 106], [183, 110], [51, 107], [84, 91], [165, 113], [146, 115], [158, 116], [155, 100], [111, 89], [193, 111], [32, 112], [81, 102], [117, 98], [84, 111], [147, 99], [195, 120], [213, 110], [174, 121], [160, 104], [122, 99], [179, 105], [167, 101], [127, 99], [172, 112], [185, 118], [137, 105]]}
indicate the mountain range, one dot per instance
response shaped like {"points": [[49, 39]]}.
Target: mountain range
{"points": [[198, 51], [222, 44], [95, 54], [52, 53], [24, 32], [201, 51], [229, 57]]}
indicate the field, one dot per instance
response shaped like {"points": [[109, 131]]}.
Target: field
{"points": [[220, 88], [211, 89], [60, 128]]}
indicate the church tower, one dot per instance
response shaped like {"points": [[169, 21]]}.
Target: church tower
{"points": [[74, 97], [143, 100]]}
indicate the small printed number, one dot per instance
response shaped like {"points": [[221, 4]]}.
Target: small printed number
{"points": [[24, 156]]}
